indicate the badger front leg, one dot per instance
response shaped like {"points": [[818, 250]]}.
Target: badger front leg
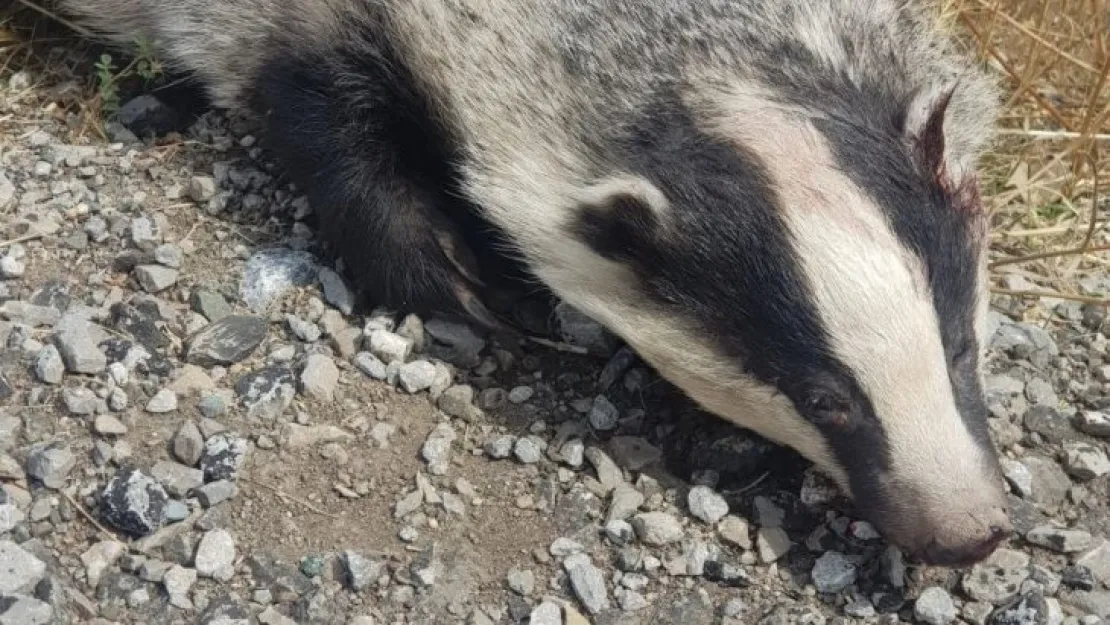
{"points": [[356, 140]]}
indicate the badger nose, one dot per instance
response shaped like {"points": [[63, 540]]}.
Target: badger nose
{"points": [[969, 543]]}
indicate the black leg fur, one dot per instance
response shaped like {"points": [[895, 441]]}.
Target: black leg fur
{"points": [[357, 138]]}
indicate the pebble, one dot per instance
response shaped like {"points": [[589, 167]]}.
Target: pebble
{"points": [[608, 473], [588, 583], [772, 543], [734, 530], [77, 345], [270, 273], [178, 581], [320, 377], [657, 528], [625, 501], [1059, 539], [522, 582], [833, 572], [223, 456], [994, 584], [362, 571], [215, 493], [521, 394], [11, 267], [98, 558], [25, 610], [934, 606], [1085, 461], [456, 343], [178, 479], [546, 613], [417, 376], [370, 365], [336, 291], [201, 188], [500, 447], [458, 401], [305, 330], [1030, 609], [155, 278], [1094, 423], [79, 400], [134, 503], [211, 305], [267, 393], [603, 414], [20, 571], [227, 341], [706, 504], [215, 555], [436, 450], [529, 449], [107, 425], [51, 465], [188, 444], [49, 367], [389, 347], [162, 402]]}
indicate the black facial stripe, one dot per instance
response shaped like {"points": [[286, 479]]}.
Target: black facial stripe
{"points": [[724, 262], [864, 126]]}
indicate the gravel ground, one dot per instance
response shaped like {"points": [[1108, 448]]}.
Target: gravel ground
{"points": [[198, 427]]}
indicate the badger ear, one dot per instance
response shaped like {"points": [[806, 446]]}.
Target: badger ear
{"points": [[926, 130], [619, 217]]}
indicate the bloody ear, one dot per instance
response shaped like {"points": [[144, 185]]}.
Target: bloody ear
{"points": [[926, 130]]}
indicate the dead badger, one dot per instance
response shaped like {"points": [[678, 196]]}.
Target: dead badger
{"points": [[774, 203]]}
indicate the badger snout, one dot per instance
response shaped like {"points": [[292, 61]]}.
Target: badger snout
{"points": [[965, 539]]}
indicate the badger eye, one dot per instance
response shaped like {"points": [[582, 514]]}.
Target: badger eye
{"points": [[825, 408]]}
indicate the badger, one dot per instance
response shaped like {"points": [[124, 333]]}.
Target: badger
{"points": [[775, 204]]}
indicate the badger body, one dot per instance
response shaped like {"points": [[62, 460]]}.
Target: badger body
{"points": [[774, 203]]}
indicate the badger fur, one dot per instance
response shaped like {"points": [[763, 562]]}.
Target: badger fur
{"points": [[774, 203]]}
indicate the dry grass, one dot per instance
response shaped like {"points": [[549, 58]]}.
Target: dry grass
{"points": [[1047, 182]]}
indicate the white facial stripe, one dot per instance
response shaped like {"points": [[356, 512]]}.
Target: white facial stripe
{"points": [[871, 294]]}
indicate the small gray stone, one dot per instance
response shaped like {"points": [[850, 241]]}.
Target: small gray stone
{"points": [[215, 493], [267, 393], [772, 543], [546, 613], [215, 555], [657, 528], [362, 571], [211, 305], [49, 367], [163, 401], [134, 503], [456, 343], [603, 414], [201, 188], [608, 473], [51, 465], [417, 376], [268, 274], [99, 557], [320, 377], [521, 394], [500, 447], [11, 267], [107, 425], [79, 400], [178, 581], [223, 456], [1059, 539], [336, 291], [11, 516], [436, 450], [77, 345], [188, 445], [227, 341], [934, 606], [212, 405], [1039, 392], [625, 501], [833, 572], [169, 255], [389, 347], [1030, 609], [1085, 461], [588, 583], [706, 504], [178, 479], [458, 401], [993, 583], [1050, 482], [1018, 476], [25, 610], [370, 365], [155, 278], [305, 330], [735, 531], [529, 449], [1093, 423], [522, 582], [20, 571]]}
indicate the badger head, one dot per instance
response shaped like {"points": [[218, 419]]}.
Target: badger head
{"points": [[817, 276]]}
